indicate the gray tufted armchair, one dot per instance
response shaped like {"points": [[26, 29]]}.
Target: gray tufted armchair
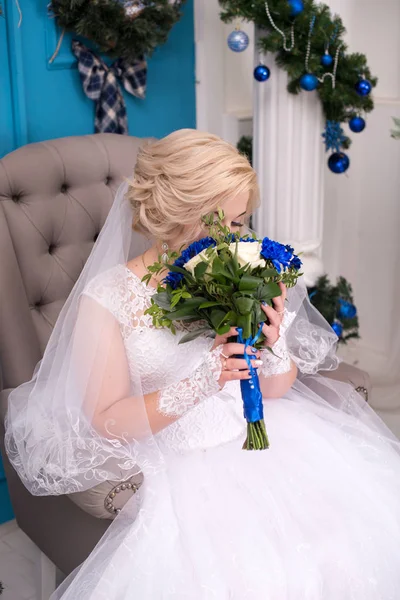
{"points": [[54, 199]]}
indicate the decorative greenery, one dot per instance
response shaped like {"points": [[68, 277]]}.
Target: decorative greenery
{"points": [[220, 282], [221, 290], [107, 23], [335, 303], [245, 146], [396, 131], [339, 104]]}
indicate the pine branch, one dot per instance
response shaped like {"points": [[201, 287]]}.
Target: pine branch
{"points": [[339, 104]]}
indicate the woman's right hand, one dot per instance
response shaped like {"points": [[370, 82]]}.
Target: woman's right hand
{"points": [[234, 368]]}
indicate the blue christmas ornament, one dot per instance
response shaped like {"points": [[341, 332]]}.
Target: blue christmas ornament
{"points": [[357, 124], [262, 73], [308, 82], [363, 87], [337, 328], [326, 60], [338, 162], [238, 40], [347, 310], [296, 7]]}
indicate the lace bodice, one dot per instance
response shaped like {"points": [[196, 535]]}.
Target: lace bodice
{"points": [[155, 356]]}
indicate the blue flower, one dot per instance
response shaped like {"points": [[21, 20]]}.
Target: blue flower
{"points": [[281, 256], [174, 279], [296, 263]]}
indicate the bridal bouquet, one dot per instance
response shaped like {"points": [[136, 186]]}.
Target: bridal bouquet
{"points": [[220, 281]]}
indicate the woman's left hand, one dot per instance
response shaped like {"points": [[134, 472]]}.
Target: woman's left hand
{"points": [[275, 316]]}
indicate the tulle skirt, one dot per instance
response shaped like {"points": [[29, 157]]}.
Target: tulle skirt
{"points": [[315, 517]]}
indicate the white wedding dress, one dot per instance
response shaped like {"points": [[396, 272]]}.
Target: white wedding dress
{"points": [[315, 517]]}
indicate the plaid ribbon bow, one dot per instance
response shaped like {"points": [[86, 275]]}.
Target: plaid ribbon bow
{"points": [[100, 84]]}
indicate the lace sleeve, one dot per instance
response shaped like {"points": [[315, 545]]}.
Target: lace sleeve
{"points": [[176, 399], [122, 296], [278, 361]]}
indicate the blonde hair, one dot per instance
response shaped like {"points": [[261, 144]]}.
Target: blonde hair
{"points": [[183, 177]]}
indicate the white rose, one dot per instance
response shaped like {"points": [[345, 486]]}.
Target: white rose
{"points": [[196, 260], [248, 253]]}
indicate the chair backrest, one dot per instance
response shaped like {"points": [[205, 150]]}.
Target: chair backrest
{"points": [[54, 199]]}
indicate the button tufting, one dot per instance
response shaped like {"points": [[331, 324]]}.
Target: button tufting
{"points": [[108, 180], [16, 197], [52, 248], [64, 188]]}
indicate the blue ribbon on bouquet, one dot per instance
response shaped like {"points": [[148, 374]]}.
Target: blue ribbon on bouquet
{"points": [[251, 392]]}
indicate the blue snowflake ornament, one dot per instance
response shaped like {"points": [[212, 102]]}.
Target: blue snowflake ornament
{"points": [[334, 137]]}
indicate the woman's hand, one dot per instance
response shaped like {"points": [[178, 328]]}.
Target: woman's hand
{"points": [[234, 368], [275, 316]]}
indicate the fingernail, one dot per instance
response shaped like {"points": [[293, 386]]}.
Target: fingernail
{"points": [[254, 350], [258, 363], [264, 303]]}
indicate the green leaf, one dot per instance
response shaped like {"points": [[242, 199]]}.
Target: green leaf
{"points": [[200, 269], [223, 329], [259, 315], [217, 318], [244, 305], [244, 321], [146, 278], [175, 300], [176, 269], [210, 304], [182, 312], [268, 273], [218, 268], [269, 290], [248, 282], [192, 335]]}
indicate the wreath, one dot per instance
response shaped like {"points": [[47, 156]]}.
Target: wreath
{"points": [[126, 29], [308, 44]]}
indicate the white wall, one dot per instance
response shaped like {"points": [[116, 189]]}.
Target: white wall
{"points": [[224, 78]]}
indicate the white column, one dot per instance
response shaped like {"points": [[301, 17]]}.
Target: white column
{"points": [[289, 158]]}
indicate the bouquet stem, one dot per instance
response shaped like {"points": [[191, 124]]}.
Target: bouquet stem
{"points": [[257, 438]]}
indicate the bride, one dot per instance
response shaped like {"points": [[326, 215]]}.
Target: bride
{"points": [[315, 517]]}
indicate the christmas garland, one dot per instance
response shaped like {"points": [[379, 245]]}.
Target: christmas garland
{"points": [[126, 29], [308, 44], [335, 303]]}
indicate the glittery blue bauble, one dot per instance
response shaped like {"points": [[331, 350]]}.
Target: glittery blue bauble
{"points": [[337, 328], [326, 60], [363, 87], [296, 6], [308, 82], [338, 162], [262, 73], [357, 124], [238, 40], [347, 310]]}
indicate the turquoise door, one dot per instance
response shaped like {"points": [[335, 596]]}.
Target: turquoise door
{"points": [[41, 100]]}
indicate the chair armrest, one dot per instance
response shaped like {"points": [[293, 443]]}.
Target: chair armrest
{"points": [[356, 377], [4, 404]]}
